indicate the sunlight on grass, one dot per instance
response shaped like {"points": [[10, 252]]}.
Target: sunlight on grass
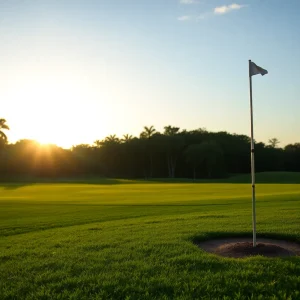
{"points": [[86, 241]]}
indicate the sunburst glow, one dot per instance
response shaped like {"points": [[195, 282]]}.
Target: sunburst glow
{"points": [[52, 111]]}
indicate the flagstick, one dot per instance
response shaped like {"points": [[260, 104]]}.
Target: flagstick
{"points": [[252, 162]]}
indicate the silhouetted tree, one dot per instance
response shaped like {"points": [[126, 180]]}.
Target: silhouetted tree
{"points": [[173, 146], [172, 153], [3, 126], [109, 154], [148, 132], [193, 155], [126, 138], [170, 130], [274, 142], [292, 157], [146, 136], [211, 154]]}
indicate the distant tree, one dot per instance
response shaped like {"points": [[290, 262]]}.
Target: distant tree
{"points": [[3, 142], [126, 138], [85, 159], [108, 152], [274, 142], [207, 155], [147, 134], [98, 143], [211, 154], [292, 157], [111, 139], [174, 153], [173, 146], [170, 130], [292, 147], [193, 157], [4, 126], [236, 151]]}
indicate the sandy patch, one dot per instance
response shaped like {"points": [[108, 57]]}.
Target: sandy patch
{"points": [[243, 247]]}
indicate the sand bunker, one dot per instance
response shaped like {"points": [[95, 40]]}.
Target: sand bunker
{"points": [[243, 247]]}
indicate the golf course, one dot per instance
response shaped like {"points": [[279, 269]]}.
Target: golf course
{"points": [[123, 239], [149, 150]]}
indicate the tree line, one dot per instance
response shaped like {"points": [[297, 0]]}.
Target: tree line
{"points": [[173, 153]]}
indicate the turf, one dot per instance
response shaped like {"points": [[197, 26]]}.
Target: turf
{"points": [[135, 241]]}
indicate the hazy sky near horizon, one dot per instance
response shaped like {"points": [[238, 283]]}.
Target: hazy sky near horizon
{"points": [[73, 71]]}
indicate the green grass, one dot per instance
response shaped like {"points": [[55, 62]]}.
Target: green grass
{"points": [[135, 241], [262, 177]]}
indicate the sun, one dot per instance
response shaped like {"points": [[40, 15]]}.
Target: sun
{"points": [[62, 108], [49, 139], [59, 128], [61, 132], [53, 112]]}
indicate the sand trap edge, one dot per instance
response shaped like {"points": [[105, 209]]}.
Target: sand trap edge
{"points": [[214, 246]]}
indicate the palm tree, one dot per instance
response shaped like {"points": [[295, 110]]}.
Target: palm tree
{"points": [[109, 140], [173, 145], [148, 132], [112, 139], [126, 138], [3, 125]]}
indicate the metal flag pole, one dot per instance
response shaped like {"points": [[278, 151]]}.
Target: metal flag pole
{"points": [[252, 161]]}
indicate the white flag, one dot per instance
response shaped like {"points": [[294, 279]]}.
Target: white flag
{"points": [[254, 70]]}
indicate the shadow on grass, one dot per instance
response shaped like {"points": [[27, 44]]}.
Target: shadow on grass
{"points": [[14, 183], [261, 178], [14, 186], [214, 235]]}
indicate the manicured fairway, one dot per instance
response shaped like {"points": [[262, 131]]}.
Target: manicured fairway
{"points": [[133, 240]]}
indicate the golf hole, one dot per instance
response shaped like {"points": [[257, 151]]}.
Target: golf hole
{"points": [[243, 247]]}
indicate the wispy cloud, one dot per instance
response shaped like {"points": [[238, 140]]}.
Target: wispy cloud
{"points": [[221, 10], [184, 18], [188, 1], [204, 16]]}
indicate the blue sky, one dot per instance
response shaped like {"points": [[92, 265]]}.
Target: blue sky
{"points": [[75, 71]]}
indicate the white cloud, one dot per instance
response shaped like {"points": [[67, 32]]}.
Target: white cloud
{"points": [[184, 18], [221, 10], [188, 1]]}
